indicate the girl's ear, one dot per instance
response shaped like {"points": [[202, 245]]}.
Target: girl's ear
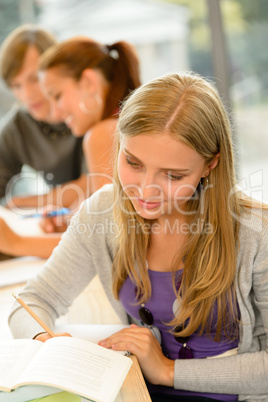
{"points": [[89, 79], [211, 165]]}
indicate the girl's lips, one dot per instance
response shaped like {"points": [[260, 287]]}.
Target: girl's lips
{"points": [[35, 106], [148, 205]]}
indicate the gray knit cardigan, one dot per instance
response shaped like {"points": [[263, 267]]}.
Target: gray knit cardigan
{"points": [[86, 249]]}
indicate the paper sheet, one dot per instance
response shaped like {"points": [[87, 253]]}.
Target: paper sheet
{"points": [[22, 226]]}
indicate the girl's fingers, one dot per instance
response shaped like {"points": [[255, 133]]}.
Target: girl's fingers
{"points": [[136, 333], [141, 342], [44, 336]]}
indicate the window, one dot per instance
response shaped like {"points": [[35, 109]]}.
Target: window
{"points": [[176, 35]]}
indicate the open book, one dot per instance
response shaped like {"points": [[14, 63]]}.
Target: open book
{"points": [[70, 364]]}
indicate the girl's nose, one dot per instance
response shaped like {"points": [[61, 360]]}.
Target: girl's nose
{"points": [[56, 113], [149, 188]]}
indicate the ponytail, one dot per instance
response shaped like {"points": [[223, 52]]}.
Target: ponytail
{"points": [[118, 63], [125, 77]]}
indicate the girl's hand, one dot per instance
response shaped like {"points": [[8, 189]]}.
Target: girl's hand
{"points": [[8, 238], [140, 341], [53, 224], [44, 336]]}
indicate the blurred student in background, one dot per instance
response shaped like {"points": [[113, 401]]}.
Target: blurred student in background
{"points": [[85, 82], [29, 134]]}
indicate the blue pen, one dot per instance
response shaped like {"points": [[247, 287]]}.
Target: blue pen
{"points": [[56, 212]]}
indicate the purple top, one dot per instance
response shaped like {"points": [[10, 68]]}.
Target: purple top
{"points": [[161, 307]]}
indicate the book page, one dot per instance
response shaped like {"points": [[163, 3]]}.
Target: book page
{"points": [[78, 366], [15, 354], [21, 225], [90, 332]]}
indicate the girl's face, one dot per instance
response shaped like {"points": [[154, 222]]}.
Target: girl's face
{"points": [[26, 88], [66, 95], [159, 174]]}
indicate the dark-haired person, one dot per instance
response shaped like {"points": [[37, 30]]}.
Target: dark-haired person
{"points": [[85, 82]]}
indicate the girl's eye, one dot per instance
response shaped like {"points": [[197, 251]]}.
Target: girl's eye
{"points": [[56, 97], [133, 164], [33, 78], [15, 87], [174, 177]]}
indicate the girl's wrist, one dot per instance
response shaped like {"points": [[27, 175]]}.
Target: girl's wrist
{"points": [[168, 373], [21, 245]]}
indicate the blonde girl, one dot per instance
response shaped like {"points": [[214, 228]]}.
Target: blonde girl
{"points": [[181, 253]]}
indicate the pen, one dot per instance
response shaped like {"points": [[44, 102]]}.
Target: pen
{"points": [[56, 212], [30, 311]]}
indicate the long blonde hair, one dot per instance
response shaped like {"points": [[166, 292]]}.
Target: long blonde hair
{"points": [[189, 108]]}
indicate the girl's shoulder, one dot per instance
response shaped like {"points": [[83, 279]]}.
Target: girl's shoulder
{"points": [[108, 124], [100, 202], [253, 220], [100, 132]]}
